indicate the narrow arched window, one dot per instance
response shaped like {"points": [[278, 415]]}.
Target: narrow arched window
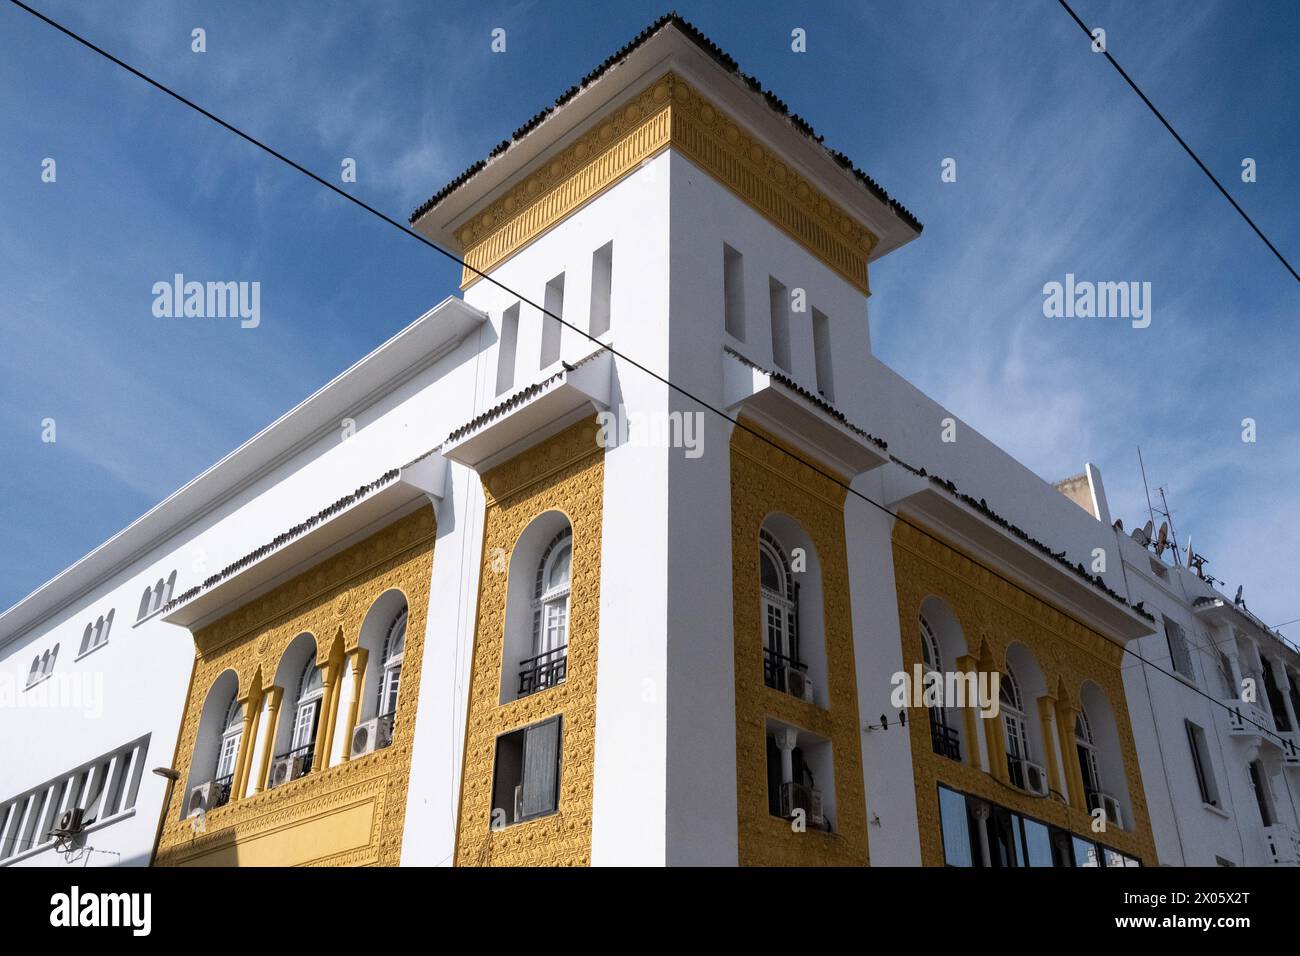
{"points": [[1017, 730], [35, 672], [391, 679], [943, 739], [779, 604], [311, 690], [232, 729], [146, 600], [1087, 749], [551, 610], [780, 599]]}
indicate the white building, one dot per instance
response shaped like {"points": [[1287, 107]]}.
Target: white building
{"points": [[1217, 739], [584, 643]]}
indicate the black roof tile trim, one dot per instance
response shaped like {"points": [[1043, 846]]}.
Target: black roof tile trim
{"points": [[496, 411], [282, 539], [515, 400], [810, 397], [981, 506], [720, 57]]}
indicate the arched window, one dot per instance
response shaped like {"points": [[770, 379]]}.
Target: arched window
{"points": [[1017, 730], [930, 648], [85, 638], [779, 597], [216, 747], [1087, 749], [232, 729], [550, 611], [943, 739], [311, 690], [35, 672], [146, 600], [391, 679], [535, 650]]}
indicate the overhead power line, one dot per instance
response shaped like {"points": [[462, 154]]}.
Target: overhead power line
{"points": [[760, 436]]}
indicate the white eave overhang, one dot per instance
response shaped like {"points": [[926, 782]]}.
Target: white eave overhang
{"points": [[416, 347], [797, 419], [1220, 611], [424, 479], [564, 394], [917, 497]]}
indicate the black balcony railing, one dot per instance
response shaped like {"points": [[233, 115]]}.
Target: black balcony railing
{"points": [[220, 791], [384, 729], [545, 670], [1016, 770], [774, 669], [300, 759], [943, 738]]}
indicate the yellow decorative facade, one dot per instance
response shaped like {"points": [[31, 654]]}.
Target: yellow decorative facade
{"points": [[348, 814], [670, 113], [564, 473], [766, 481], [995, 614]]}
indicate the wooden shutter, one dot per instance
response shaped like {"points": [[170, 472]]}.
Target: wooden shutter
{"points": [[541, 768]]}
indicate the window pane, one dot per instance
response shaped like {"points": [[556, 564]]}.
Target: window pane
{"points": [[956, 835], [767, 573], [1113, 858], [1085, 853], [541, 768], [1038, 845]]}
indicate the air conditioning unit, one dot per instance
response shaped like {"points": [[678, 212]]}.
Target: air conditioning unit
{"points": [[285, 769], [365, 738], [200, 797], [1035, 779], [71, 822], [798, 683], [1114, 816], [797, 796]]}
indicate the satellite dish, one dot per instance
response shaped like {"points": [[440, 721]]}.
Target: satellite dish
{"points": [[1162, 538], [1141, 536], [1237, 599]]}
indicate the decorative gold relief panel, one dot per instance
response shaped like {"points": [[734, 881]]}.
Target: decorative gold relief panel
{"points": [[669, 113], [565, 473], [994, 614], [765, 481], [348, 814]]}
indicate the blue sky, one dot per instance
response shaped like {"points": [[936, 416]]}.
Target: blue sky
{"points": [[1060, 169]]}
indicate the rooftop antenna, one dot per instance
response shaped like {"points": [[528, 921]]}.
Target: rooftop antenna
{"points": [[1165, 513], [1150, 511]]}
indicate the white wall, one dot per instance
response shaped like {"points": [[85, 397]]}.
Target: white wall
{"points": [[1187, 832], [137, 683]]}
